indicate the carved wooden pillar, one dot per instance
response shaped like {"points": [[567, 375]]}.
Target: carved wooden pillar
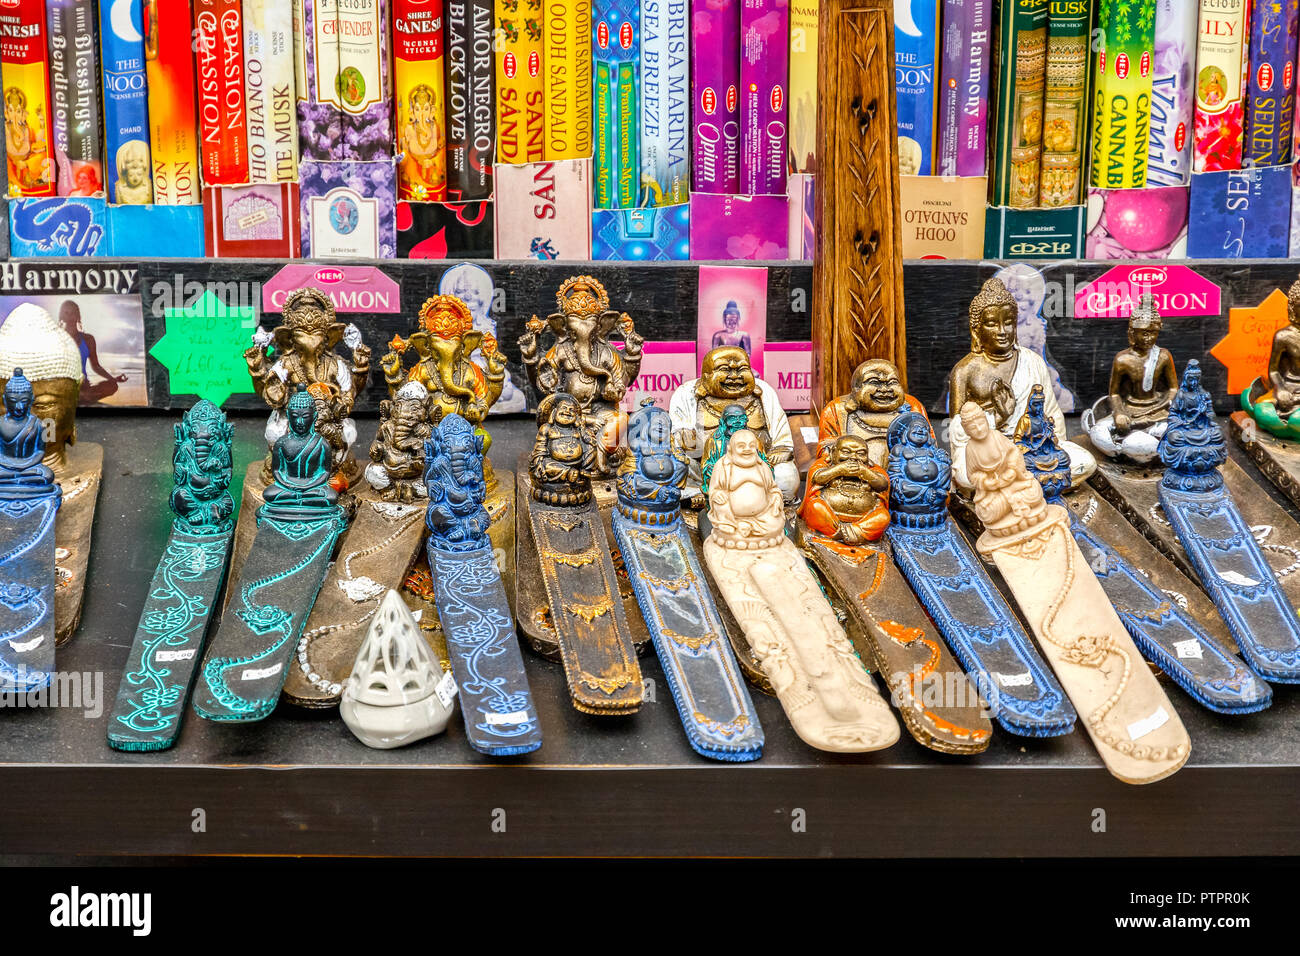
{"points": [[857, 303]]}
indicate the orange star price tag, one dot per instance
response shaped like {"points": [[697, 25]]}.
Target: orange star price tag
{"points": [[1245, 349]]}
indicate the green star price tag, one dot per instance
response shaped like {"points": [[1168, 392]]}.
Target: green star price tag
{"points": [[203, 348]]}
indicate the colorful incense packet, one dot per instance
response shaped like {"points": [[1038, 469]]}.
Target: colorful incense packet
{"points": [[169, 640], [344, 80], [77, 107], [670, 584], [616, 79], [500, 716], [1169, 154], [126, 107], [567, 62], [24, 57], [297, 527], [470, 121], [269, 90], [223, 119], [665, 103], [1121, 114], [169, 67], [1021, 76], [964, 88], [803, 86], [916, 62], [764, 80], [1065, 110], [715, 81], [520, 82], [421, 100], [349, 210], [544, 211], [1270, 100], [1221, 68]]}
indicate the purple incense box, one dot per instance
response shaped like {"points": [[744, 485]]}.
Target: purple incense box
{"points": [[964, 88], [764, 80], [715, 82]]}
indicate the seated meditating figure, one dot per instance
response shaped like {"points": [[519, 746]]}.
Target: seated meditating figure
{"points": [[1007, 498], [22, 445], [846, 498], [876, 398], [1193, 447], [563, 458], [1037, 441], [1273, 402], [300, 467], [997, 377], [920, 473], [1129, 421], [396, 468], [745, 504], [651, 476]]}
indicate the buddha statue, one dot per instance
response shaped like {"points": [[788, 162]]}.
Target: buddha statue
{"points": [[563, 456], [22, 446], [1273, 401], [746, 507], [1037, 441], [1193, 447], [30, 338], [697, 409], [302, 352], [300, 466], [997, 376], [846, 495], [876, 398], [1007, 498], [920, 473], [1129, 420], [652, 474]]}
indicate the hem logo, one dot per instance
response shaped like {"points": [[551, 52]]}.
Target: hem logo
{"points": [[76, 909]]}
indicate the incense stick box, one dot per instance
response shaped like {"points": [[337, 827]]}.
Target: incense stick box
{"points": [[24, 58], [348, 209], [616, 88], [1169, 155], [764, 81], [1021, 64], [432, 230], [223, 114], [803, 86], [1066, 114], [715, 87], [659, 233], [739, 227], [153, 232], [1270, 98], [544, 210], [128, 168], [269, 92], [520, 83], [665, 102], [1240, 214], [420, 91], [567, 62], [173, 121], [964, 88], [470, 103], [74, 88], [916, 59], [259, 221], [69, 226], [1221, 65], [1123, 77], [1146, 223]]}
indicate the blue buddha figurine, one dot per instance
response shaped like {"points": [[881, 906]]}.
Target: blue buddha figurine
{"points": [[22, 446], [301, 465]]}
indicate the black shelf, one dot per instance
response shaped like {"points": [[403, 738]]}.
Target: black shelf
{"points": [[298, 783]]}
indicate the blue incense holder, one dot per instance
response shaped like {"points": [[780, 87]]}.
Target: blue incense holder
{"points": [[29, 500], [500, 716], [169, 639], [703, 675], [954, 588], [1212, 675], [1218, 541], [297, 528]]}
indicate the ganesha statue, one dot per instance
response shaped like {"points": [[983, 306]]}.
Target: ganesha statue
{"points": [[454, 481], [582, 362]]}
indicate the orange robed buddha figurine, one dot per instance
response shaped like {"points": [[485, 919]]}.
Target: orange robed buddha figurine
{"points": [[846, 494], [876, 397]]}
